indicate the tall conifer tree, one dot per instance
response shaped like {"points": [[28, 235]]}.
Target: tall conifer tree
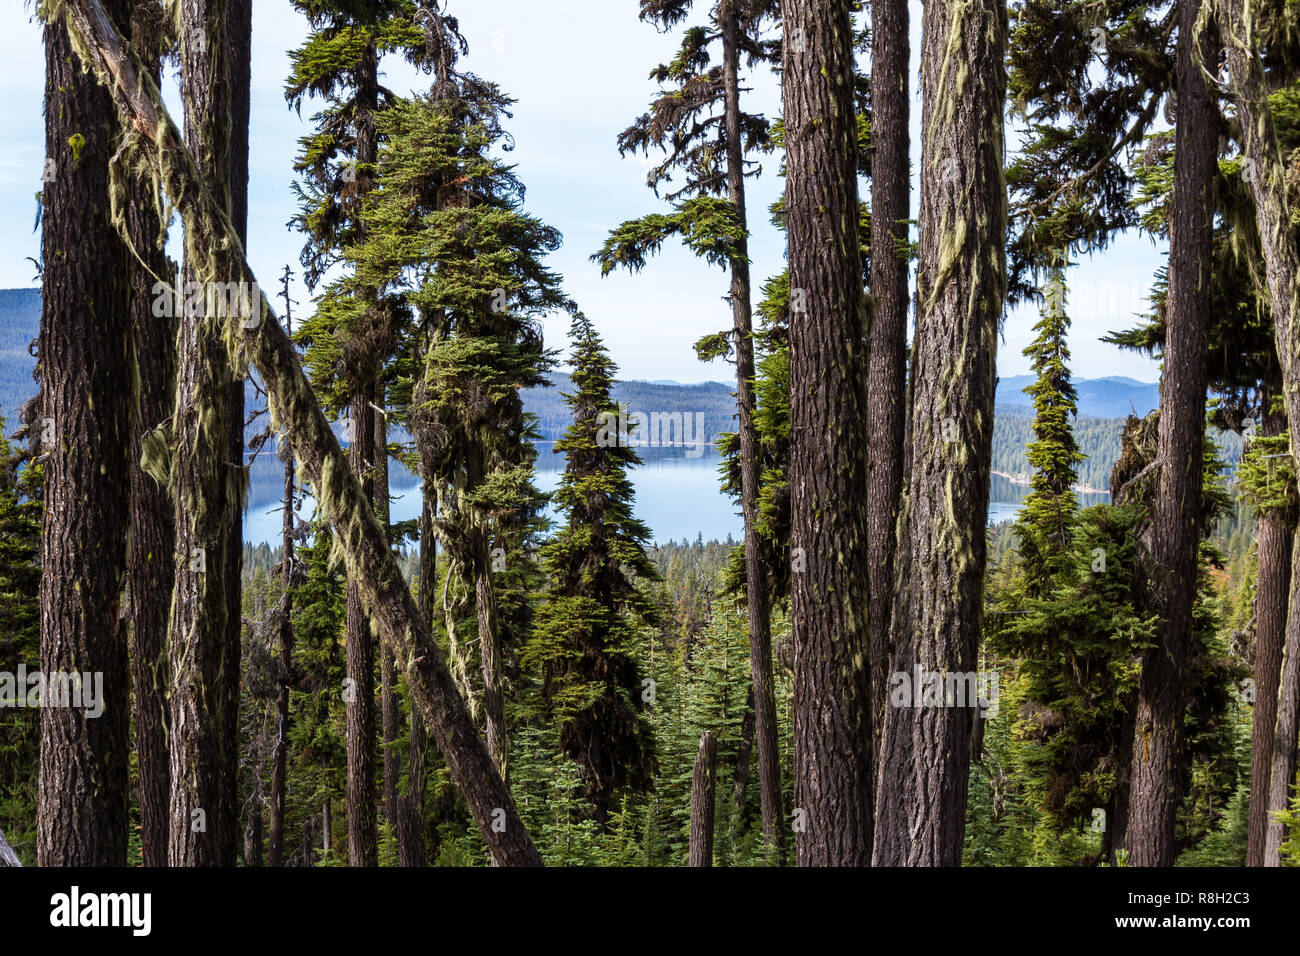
{"points": [[700, 124], [584, 638]]}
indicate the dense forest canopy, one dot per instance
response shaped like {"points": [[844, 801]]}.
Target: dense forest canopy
{"points": [[451, 651]]}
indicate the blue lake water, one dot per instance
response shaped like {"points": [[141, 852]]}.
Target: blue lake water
{"points": [[677, 496]]}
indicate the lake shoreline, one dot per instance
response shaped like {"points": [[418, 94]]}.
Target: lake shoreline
{"points": [[1024, 480]]}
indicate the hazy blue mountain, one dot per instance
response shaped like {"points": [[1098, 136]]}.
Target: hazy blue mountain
{"points": [[1113, 397]]}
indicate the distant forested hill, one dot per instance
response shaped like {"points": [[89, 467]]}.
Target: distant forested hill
{"points": [[1098, 438], [711, 399]]}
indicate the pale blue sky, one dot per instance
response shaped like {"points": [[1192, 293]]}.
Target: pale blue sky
{"points": [[579, 71]]}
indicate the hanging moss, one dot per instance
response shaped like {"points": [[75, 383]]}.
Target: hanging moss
{"points": [[156, 454]]}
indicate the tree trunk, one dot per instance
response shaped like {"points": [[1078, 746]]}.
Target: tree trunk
{"points": [[485, 604], [327, 830], [390, 705], [1271, 592], [293, 403], [961, 286], [363, 839], [744, 755], [828, 449], [280, 769], [207, 484], [1158, 740], [151, 571], [887, 355], [85, 373], [239, 40], [703, 783], [1282, 261], [756, 588], [410, 847], [1287, 726], [253, 837], [308, 854], [494, 704], [1116, 836]]}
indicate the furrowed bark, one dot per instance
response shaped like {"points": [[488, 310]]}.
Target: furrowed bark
{"points": [[238, 57], [85, 374], [828, 449], [1283, 765], [1282, 261], [206, 482], [703, 788], [294, 406], [1158, 733], [887, 354], [961, 287], [151, 570], [1272, 590], [280, 767], [363, 833], [756, 592]]}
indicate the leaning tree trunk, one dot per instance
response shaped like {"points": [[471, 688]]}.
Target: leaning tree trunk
{"points": [[1158, 733], [153, 542], [756, 579], [828, 450], [85, 429], [961, 286], [1271, 593], [1282, 265], [703, 791], [207, 485], [294, 407], [887, 354]]}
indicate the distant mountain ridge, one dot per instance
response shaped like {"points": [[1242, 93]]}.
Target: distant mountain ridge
{"points": [[1103, 402], [1111, 397]]}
